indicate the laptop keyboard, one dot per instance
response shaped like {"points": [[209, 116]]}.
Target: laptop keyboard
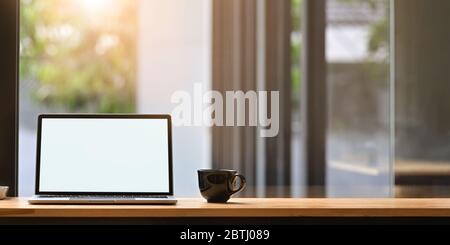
{"points": [[102, 197]]}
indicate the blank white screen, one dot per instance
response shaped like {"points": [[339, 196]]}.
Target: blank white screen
{"points": [[104, 155]]}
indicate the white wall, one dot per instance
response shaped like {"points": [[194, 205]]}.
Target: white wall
{"points": [[173, 54]]}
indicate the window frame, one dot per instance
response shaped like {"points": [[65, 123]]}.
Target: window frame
{"points": [[9, 48], [315, 118], [313, 97]]}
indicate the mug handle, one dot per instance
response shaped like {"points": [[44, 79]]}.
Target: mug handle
{"points": [[243, 183]]}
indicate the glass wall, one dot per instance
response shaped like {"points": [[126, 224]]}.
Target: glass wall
{"points": [[131, 56], [113, 56], [358, 60], [75, 56]]}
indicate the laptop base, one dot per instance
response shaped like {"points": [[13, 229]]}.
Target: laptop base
{"points": [[102, 200]]}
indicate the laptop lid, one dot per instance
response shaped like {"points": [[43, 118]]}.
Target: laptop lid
{"points": [[104, 154]]}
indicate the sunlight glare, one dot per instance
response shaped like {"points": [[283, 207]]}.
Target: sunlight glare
{"points": [[94, 5]]}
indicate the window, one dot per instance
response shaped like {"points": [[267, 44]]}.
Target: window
{"points": [[111, 56], [358, 87], [131, 56], [75, 56], [357, 84]]}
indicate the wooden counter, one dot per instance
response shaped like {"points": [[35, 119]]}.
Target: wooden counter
{"points": [[237, 208]]}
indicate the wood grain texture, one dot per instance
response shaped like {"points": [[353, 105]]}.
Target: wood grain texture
{"points": [[239, 207]]}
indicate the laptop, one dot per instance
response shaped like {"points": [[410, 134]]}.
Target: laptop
{"points": [[104, 159]]}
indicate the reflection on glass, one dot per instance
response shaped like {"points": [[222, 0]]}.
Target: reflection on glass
{"points": [[357, 56]]}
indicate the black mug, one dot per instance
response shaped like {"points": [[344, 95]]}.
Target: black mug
{"points": [[219, 185]]}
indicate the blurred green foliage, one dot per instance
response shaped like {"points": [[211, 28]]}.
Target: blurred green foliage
{"points": [[296, 47], [81, 56], [296, 6], [379, 36]]}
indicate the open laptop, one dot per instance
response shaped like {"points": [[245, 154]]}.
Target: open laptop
{"points": [[105, 159]]}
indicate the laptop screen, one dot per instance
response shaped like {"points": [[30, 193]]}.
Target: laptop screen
{"points": [[104, 155]]}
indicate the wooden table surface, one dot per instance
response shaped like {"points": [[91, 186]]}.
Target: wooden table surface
{"points": [[238, 207]]}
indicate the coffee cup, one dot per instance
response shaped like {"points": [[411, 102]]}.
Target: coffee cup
{"points": [[219, 185]]}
